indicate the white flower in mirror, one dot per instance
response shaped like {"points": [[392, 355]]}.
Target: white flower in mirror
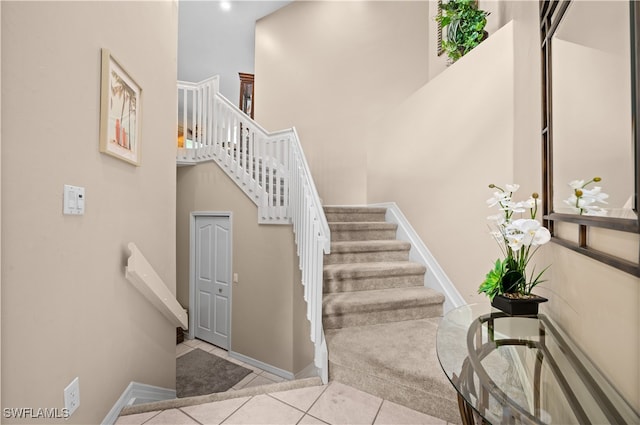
{"points": [[583, 200]]}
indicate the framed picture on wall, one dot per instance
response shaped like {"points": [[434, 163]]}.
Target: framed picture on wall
{"points": [[120, 102]]}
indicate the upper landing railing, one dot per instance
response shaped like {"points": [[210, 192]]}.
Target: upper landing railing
{"points": [[272, 171]]}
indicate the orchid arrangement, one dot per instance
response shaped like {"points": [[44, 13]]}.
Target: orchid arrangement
{"points": [[582, 200], [519, 238]]}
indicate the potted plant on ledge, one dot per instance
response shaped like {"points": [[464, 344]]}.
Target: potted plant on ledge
{"points": [[464, 24], [507, 284]]}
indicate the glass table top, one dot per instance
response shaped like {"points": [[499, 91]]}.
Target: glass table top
{"points": [[524, 370]]}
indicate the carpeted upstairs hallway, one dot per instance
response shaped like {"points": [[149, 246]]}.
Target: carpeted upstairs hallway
{"points": [[379, 320]]}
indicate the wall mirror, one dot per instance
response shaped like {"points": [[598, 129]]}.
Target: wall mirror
{"points": [[589, 106]]}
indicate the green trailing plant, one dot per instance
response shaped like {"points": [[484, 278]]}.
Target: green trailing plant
{"points": [[464, 24]]}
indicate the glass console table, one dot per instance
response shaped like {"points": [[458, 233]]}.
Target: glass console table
{"points": [[523, 370]]}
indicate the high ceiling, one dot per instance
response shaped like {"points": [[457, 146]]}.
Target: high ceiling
{"points": [[213, 41]]}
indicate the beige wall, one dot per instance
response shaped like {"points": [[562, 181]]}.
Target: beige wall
{"points": [[332, 75], [268, 316], [67, 309], [437, 167]]}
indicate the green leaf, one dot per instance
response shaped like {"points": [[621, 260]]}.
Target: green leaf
{"points": [[492, 283], [464, 24]]}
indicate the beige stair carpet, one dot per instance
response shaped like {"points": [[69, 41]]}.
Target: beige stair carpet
{"points": [[380, 321]]}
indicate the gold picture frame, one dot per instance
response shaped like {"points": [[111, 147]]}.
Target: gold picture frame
{"points": [[120, 103]]}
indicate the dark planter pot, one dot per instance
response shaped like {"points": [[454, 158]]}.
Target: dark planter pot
{"points": [[518, 307]]}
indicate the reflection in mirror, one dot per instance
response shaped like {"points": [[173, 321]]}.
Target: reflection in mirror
{"points": [[592, 114]]}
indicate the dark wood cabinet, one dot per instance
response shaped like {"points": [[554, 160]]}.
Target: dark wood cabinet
{"points": [[246, 93]]}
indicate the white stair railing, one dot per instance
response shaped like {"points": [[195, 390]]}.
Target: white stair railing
{"points": [[272, 171], [195, 125], [313, 239], [216, 130]]}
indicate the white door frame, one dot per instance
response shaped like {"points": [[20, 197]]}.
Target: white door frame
{"points": [[192, 266]]}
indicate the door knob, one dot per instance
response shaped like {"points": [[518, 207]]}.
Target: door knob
{"points": [[220, 290]]}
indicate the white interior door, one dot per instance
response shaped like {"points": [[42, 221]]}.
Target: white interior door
{"points": [[213, 279]]}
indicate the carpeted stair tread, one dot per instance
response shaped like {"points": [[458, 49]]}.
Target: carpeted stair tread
{"points": [[369, 246], [227, 395], [379, 299], [361, 225], [362, 231], [368, 251], [334, 214], [396, 361], [377, 275], [375, 269], [328, 209]]}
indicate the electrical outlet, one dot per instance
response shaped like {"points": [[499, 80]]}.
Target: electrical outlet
{"points": [[72, 396]]}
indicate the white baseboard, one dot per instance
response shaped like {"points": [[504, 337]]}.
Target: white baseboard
{"points": [[264, 366], [140, 392], [435, 277], [311, 371]]}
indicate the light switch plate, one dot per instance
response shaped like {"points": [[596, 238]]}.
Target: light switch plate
{"points": [[73, 200]]}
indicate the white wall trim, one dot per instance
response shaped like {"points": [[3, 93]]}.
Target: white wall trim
{"points": [[134, 391], [308, 372], [144, 278], [264, 366], [192, 267], [435, 277]]}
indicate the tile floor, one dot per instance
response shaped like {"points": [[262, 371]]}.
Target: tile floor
{"points": [[333, 404]]}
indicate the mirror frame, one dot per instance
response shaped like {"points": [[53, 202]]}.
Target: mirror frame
{"points": [[551, 14]]}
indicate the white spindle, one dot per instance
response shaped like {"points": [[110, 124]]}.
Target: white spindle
{"points": [[272, 170]]}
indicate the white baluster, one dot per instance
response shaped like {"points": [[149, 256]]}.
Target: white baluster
{"points": [[272, 170]]}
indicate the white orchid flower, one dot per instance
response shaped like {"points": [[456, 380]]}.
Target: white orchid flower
{"points": [[511, 187], [532, 202], [531, 232], [571, 200], [519, 207], [584, 202], [595, 194], [541, 237], [581, 199], [515, 241], [498, 197], [576, 184]]}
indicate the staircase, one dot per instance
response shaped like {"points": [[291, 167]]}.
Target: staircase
{"points": [[271, 169], [380, 320]]}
